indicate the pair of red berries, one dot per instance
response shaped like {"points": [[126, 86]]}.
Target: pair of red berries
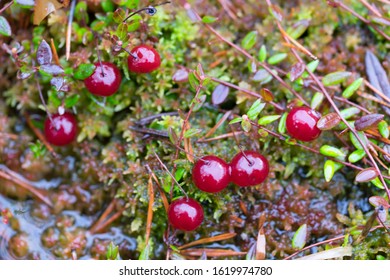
{"points": [[212, 174], [106, 78], [61, 130]]}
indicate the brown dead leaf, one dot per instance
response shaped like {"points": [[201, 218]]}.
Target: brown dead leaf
{"points": [[212, 252], [216, 238], [43, 8]]}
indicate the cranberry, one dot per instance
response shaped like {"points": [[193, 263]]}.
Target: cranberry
{"points": [[301, 124], [105, 80], [185, 214], [144, 59], [248, 168], [211, 174], [61, 130]]}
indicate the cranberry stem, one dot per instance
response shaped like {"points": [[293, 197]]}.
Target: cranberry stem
{"points": [[198, 158], [170, 174], [43, 100], [239, 146], [145, 9], [99, 58]]}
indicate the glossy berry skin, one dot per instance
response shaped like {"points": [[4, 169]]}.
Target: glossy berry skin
{"points": [[301, 124], [106, 82], [211, 174], [62, 130], [248, 168], [185, 214], [144, 59]]}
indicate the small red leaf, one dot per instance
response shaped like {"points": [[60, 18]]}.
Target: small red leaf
{"points": [[296, 71], [219, 94], [368, 121], [44, 54], [366, 175], [328, 121], [378, 201]]}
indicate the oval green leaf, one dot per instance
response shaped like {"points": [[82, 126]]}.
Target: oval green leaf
{"points": [[335, 78]]}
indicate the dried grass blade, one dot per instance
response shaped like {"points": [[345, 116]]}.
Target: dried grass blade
{"points": [[212, 252], [216, 238], [149, 217], [338, 252]]}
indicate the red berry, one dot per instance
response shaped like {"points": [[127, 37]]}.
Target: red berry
{"points": [[61, 130], [248, 168], [105, 80], [185, 214], [144, 59], [211, 174], [301, 124]]}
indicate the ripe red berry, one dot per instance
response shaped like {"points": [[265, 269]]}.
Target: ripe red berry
{"points": [[248, 168], [301, 124], [144, 59], [105, 80], [211, 174], [61, 129], [185, 214]]}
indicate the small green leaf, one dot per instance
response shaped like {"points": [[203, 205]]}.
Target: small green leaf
{"points": [[311, 66], [282, 124], [355, 142], [145, 253], [255, 109], [192, 132], [268, 119], [84, 71], [121, 31], [208, 19], [5, 28], [72, 100], [108, 6], [316, 100], [193, 80], [249, 40], [235, 120], [335, 78], [383, 128], [298, 29], [331, 151], [356, 155], [299, 238], [263, 53], [349, 112], [277, 58], [179, 173], [246, 124], [354, 86], [377, 183], [329, 170]]}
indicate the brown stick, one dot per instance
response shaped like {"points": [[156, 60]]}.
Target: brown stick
{"points": [[40, 194]]}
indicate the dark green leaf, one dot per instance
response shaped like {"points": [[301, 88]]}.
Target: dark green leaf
{"points": [[84, 71], [282, 124], [194, 82]]}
